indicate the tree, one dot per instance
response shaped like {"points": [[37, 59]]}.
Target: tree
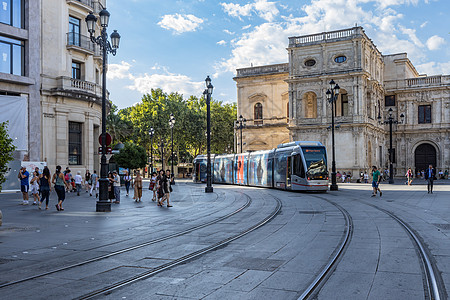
{"points": [[131, 156], [118, 125], [6, 149]]}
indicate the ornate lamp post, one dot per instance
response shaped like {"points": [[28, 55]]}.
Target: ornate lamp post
{"points": [[208, 92], [240, 124], [103, 205], [332, 95], [162, 154], [171, 124], [391, 121], [152, 133]]}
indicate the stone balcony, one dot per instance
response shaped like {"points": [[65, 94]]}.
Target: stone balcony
{"points": [[78, 89], [267, 122], [82, 43], [263, 70], [330, 36], [418, 82]]}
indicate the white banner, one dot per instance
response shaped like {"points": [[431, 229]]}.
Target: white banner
{"points": [[15, 110]]}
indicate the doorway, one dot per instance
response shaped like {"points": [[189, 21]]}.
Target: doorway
{"points": [[424, 155]]}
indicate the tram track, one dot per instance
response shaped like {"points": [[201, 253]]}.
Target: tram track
{"points": [[432, 279], [131, 248], [185, 258]]}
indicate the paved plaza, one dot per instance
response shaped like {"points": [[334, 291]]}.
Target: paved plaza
{"points": [[197, 249]]}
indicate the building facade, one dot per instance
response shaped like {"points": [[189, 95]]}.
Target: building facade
{"points": [[371, 84], [50, 83]]}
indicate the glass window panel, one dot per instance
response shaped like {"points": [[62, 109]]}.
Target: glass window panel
{"points": [[75, 143], [17, 60], [5, 58], [17, 13], [5, 11]]}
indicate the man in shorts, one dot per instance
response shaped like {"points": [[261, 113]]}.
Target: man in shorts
{"points": [[376, 178], [24, 184]]}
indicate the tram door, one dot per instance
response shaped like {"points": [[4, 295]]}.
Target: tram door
{"points": [[289, 173]]}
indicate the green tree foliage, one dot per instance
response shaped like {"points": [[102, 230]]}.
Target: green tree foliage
{"points": [[6, 149], [131, 156], [118, 125], [189, 132]]}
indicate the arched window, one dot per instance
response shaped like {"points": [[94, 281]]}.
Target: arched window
{"points": [[310, 100], [258, 114]]}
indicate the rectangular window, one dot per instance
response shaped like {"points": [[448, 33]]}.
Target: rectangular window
{"points": [[11, 56], [389, 100], [344, 104], [74, 31], [11, 12], [424, 114], [75, 143], [76, 70]]}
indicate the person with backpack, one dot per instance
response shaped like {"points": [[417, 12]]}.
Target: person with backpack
{"points": [[409, 176], [60, 187], [24, 184]]}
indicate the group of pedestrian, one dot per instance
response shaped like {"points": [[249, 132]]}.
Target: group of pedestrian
{"points": [[163, 186]]}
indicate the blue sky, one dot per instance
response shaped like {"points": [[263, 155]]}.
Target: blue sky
{"points": [[174, 45]]}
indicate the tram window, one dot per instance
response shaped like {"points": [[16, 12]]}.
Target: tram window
{"points": [[299, 170]]}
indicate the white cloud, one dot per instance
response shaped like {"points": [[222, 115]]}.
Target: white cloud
{"points": [[435, 42], [262, 8], [266, 43], [424, 24], [222, 43], [180, 23], [433, 68], [118, 71], [246, 27], [168, 83], [228, 32]]}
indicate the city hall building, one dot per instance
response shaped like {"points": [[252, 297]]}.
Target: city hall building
{"points": [[286, 102]]}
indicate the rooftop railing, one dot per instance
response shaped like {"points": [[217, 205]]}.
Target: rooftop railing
{"points": [[324, 36], [271, 69]]}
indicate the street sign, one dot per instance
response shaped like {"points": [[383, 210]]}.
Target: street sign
{"points": [[108, 139], [108, 150]]}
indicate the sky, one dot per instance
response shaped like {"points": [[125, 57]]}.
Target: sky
{"points": [[174, 45]]}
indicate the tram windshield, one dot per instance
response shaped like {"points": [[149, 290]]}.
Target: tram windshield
{"points": [[316, 162]]}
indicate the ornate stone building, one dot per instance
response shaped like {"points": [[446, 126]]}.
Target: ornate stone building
{"points": [[371, 84]]}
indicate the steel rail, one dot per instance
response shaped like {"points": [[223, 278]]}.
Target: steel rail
{"points": [[182, 259], [330, 266], [433, 289], [101, 257]]}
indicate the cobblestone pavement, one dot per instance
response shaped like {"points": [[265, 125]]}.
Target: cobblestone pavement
{"points": [[277, 261]]}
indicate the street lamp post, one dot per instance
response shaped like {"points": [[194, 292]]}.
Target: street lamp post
{"points": [[162, 154], [103, 205], [332, 95], [240, 124], [171, 124], [152, 133], [391, 121], [208, 92]]}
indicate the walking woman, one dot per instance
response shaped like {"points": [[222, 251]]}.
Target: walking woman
{"points": [[127, 179], [35, 188], [168, 187], [138, 187], [160, 183], [87, 181], [45, 187], [409, 176], [111, 196], [60, 185], [152, 185]]}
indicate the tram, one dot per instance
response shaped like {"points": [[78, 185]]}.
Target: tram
{"points": [[298, 165]]}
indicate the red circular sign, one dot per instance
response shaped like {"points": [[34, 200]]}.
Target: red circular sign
{"points": [[108, 139]]}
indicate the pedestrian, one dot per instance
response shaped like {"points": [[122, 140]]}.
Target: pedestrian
{"points": [[111, 196], [430, 176], [45, 187], [94, 184], [168, 187], [24, 184], [61, 184], [409, 176], [78, 179], [376, 178], [160, 186], [152, 185], [87, 181], [138, 187], [116, 186], [68, 179], [366, 177], [349, 177], [441, 174], [446, 174], [127, 179], [35, 188]]}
